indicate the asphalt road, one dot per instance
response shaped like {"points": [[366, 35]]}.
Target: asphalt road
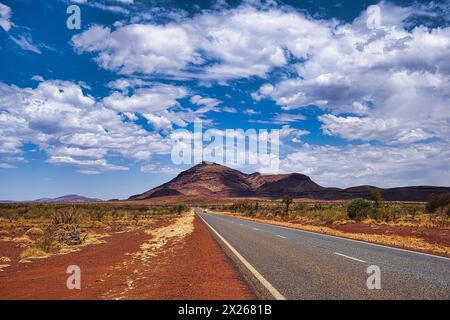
{"points": [[305, 265]]}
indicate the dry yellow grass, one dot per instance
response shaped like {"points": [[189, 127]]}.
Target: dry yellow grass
{"points": [[419, 221], [4, 232], [390, 240], [33, 253], [5, 259], [22, 240], [34, 231], [182, 226]]}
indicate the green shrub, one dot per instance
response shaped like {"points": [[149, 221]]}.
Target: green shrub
{"points": [[332, 215], [358, 209], [437, 201], [45, 243]]}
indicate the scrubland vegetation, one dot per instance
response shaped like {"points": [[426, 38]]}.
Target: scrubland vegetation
{"points": [[42, 229], [434, 213]]}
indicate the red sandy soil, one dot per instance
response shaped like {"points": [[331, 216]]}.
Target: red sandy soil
{"points": [[193, 268]]}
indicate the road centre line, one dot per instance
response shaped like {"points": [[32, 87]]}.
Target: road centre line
{"points": [[348, 257]]}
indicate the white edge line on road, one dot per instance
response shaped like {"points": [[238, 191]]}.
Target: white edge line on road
{"points": [[348, 257], [342, 238], [279, 236], [274, 292]]}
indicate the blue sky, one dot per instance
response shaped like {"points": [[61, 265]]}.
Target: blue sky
{"points": [[91, 111]]}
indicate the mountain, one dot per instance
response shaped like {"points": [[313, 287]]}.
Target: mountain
{"points": [[67, 198], [214, 181], [204, 180]]}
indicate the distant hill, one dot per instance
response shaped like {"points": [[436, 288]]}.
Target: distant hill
{"points": [[64, 199], [211, 180], [67, 198]]}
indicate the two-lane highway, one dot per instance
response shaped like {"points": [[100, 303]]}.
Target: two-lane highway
{"points": [[305, 265]]}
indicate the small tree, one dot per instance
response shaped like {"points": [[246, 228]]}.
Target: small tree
{"points": [[377, 197], [437, 201], [287, 200], [179, 209], [358, 209]]}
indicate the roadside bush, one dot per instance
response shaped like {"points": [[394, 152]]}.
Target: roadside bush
{"points": [[66, 217], [384, 214], [293, 215], [70, 235], [332, 215], [45, 243], [443, 212], [437, 201], [179, 209], [358, 209]]}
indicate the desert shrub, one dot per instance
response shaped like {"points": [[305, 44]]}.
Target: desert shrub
{"points": [[56, 235], [70, 216], [99, 215], [332, 215], [437, 201], [244, 207], [358, 209], [70, 235], [97, 224], [293, 215], [287, 201], [179, 209], [45, 243], [384, 214], [34, 231]]}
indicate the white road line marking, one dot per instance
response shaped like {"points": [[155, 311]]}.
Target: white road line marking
{"points": [[255, 228], [348, 257], [281, 236], [274, 292], [241, 224]]}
